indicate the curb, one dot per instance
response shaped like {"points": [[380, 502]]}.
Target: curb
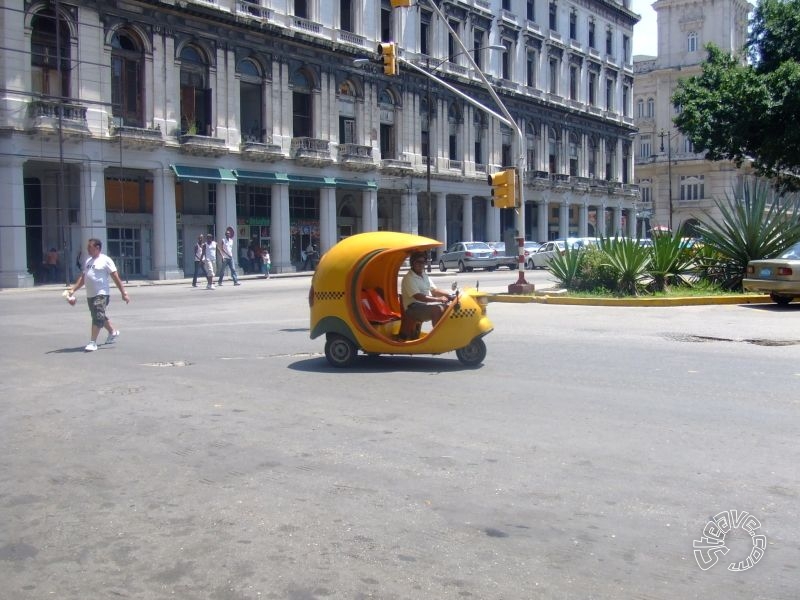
{"points": [[656, 302]]}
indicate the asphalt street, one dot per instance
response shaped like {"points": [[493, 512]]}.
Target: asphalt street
{"points": [[211, 453]]}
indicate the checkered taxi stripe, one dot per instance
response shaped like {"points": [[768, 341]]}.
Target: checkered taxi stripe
{"points": [[463, 313], [328, 295]]}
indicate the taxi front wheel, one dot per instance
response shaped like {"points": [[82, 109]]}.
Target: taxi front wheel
{"points": [[340, 351], [473, 353]]}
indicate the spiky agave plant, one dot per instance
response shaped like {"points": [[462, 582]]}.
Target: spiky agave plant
{"points": [[630, 260], [567, 267], [670, 262], [756, 222]]}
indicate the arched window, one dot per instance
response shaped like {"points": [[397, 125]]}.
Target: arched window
{"points": [[195, 94], [611, 159], [425, 118], [48, 43], [553, 150], [251, 101], [302, 113], [127, 78], [347, 113], [386, 106], [479, 126], [592, 156], [640, 108], [691, 41], [574, 155], [651, 108], [532, 143], [454, 122]]}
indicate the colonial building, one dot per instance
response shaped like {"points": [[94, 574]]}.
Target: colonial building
{"points": [[677, 184], [147, 122]]}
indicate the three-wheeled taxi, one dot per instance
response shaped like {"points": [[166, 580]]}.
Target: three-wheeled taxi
{"points": [[354, 302]]}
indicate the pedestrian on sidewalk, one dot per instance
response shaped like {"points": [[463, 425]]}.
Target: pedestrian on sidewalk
{"points": [[198, 259], [209, 259], [266, 262], [96, 273], [226, 253]]}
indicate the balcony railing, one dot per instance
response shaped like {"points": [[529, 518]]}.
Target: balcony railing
{"points": [[356, 157], [307, 25], [311, 151], [253, 10], [47, 116]]}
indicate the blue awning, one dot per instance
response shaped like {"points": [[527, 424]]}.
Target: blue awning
{"points": [[184, 173], [301, 181]]}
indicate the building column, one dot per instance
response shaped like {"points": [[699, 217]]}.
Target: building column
{"points": [[280, 251], [13, 235], [369, 210], [466, 219], [327, 219], [92, 217], [165, 232], [226, 209], [441, 221], [600, 225], [541, 216], [583, 220], [493, 223], [409, 219], [631, 222], [617, 211], [563, 220]]}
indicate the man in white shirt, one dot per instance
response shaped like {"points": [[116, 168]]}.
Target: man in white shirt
{"points": [[210, 259], [96, 273], [226, 253], [422, 301]]}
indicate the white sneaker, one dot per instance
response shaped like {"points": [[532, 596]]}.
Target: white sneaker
{"points": [[91, 347], [112, 337]]}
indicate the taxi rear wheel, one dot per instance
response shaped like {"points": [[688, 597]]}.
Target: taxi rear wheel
{"points": [[340, 351], [473, 353]]}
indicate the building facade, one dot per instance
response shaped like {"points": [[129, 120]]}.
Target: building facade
{"points": [[678, 185], [147, 122]]}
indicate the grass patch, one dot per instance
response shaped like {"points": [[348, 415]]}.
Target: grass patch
{"points": [[698, 290]]}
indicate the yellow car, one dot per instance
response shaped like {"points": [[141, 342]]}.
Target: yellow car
{"points": [[354, 302], [779, 277]]}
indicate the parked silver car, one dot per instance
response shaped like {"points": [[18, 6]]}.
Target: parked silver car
{"points": [[466, 256]]}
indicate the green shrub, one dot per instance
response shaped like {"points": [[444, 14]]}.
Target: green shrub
{"points": [[595, 273]]}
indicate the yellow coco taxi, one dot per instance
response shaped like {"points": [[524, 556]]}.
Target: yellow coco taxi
{"points": [[354, 302]]}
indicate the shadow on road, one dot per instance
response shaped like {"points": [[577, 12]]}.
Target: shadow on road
{"points": [[385, 364]]}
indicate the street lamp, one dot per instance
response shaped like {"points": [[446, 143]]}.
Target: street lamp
{"points": [[662, 134]]}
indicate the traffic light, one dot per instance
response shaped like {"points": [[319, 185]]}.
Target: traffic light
{"points": [[504, 188], [400, 3], [388, 50]]}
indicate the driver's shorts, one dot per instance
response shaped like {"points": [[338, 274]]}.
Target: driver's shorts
{"points": [[420, 311]]}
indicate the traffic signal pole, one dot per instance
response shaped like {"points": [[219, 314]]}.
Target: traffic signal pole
{"points": [[521, 286]]}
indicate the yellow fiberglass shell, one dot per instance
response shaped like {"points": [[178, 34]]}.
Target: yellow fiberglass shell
{"points": [[373, 260], [364, 260]]}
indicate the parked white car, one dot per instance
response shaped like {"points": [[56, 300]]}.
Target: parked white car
{"points": [[466, 256], [542, 257]]}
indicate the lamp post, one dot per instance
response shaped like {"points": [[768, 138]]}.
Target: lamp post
{"points": [[662, 134], [521, 285], [430, 116]]}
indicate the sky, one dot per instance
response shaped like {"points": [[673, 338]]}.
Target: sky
{"points": [[645, 32]]}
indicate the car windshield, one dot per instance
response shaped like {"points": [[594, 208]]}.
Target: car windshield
{"points": [[476, 246], [792, 253]]}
